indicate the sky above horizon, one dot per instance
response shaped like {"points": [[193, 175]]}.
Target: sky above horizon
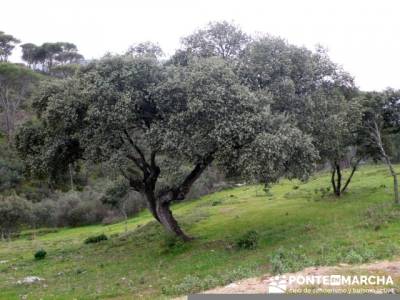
{"points": [[361, 36]]}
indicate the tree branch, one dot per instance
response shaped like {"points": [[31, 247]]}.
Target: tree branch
{"points": [[179, 193]]}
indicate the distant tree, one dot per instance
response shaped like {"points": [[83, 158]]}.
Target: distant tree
{"points": [[153, 122], [381, 118], [336, 125], [16, 83], [222, 39], [146, 49], [49, 56], [68, 55], [313, 91], [7, 44], [29, 54]]}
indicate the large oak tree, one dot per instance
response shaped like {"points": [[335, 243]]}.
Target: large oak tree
{"points": [[153, 122]]}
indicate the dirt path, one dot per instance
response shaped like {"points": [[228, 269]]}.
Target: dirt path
{"points": [[259, 285]]}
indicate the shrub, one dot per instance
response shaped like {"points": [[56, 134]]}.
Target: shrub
{"points": [[45, 213], [40, 254], [248, 241], [96, 239], [216, 202], [80, 208], [191, 284], [10, 174], [14, 212], [380, 215], [283, 261]]}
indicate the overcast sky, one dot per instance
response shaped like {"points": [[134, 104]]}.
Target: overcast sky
{"points": [[362, 35]]}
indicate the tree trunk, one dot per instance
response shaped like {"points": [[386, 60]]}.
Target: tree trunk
{"points": [[376, 135], [151, 203], [354, 169], [336, 180], [396, 189], [333, 180], [394, 175], [339, 180], [168, 221]]}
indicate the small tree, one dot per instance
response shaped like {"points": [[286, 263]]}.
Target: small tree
{"points": [[382, 117], [7, 44], [15, 87], [117, 197], [151, 122]]}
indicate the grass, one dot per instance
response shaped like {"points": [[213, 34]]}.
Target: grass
{"points": [[297, 225]]}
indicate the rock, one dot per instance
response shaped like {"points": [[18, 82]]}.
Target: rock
{"points": [[30, 280], [232, 285], [3, 262]]}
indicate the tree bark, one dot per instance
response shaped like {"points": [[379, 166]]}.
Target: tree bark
{"points": [[336, 180], [169, 222], [353, 170], [376, 136], [333, 180], [339, 180]]}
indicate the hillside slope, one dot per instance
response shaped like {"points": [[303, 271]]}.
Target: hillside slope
{"points": [[298, 225]]}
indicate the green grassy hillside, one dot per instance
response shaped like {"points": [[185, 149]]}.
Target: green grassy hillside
{"points": [[298, 225]]}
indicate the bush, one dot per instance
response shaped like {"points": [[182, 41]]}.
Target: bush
{"points": [[40, 254], [248, 241], [45, 213], [10, 174], [380, 215], [284, 261], [96, 239], [80, 208], [14, 212]]}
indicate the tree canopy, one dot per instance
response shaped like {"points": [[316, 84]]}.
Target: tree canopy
{"points": [[151, 121], [7, 44]]}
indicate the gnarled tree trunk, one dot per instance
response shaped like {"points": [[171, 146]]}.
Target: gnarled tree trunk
{"points": [[168, 221], [336, 180]]}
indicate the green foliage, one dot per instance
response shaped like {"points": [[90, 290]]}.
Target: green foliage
{"points": [[379, 216], [40, 254], [249, 240], [116, 193], [173, 245], [16, 84], [192, 284], [50, 57], [7, 44], [105, 114], [96, 239], [222, 39], [14, 212], [284, 261], [11, 174]]}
